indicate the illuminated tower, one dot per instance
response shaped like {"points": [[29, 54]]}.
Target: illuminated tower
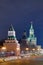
{"points": [[12, 44], [32, 39]]}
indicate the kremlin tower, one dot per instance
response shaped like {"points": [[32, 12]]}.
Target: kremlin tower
{"points": [[32, 39], [28, 43], [11, 43]]}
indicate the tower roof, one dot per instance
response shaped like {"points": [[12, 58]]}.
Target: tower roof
{"points": [[31, 26], [11, 28], [24, 35], [31, 31]]}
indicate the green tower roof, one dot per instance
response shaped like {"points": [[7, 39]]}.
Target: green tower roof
{"points": [[11, 28], [31, 31], [31, 26]]}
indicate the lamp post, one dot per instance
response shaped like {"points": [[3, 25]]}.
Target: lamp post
{"points": [[27, 50], [33, 50], [3, 49], [18, 51], [38, 50]]}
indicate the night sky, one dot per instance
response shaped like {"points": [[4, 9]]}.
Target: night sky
{"points": [[20, 13]]}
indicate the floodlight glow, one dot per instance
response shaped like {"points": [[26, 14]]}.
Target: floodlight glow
{"points": [[18, 48], [3, 48], [27, 49], [33, 49]]}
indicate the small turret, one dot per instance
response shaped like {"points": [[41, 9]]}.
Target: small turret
{"points": [[24, 35], [31, 31]]}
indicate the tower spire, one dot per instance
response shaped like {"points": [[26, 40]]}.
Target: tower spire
{"points": [[31, 31], [11, 28], [31, 25]]}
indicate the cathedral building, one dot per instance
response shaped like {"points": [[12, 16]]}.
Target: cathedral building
{"points": [[11, 43]]}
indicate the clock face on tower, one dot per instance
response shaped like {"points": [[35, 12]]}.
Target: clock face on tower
{"points": [[11, 33]]}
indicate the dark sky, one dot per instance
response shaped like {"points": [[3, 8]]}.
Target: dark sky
{"points": [[20, 13]]}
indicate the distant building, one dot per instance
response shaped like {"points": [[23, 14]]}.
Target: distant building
{"points": [[11, 43]]}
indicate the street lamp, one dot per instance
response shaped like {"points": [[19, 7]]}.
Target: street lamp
{"points": [[33, 50], [27, 50]]}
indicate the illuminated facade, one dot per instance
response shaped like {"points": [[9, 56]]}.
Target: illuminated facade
{"points": [[11, 43]]}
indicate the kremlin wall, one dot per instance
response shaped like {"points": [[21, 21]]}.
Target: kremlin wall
{"points": [[11, 44]]}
